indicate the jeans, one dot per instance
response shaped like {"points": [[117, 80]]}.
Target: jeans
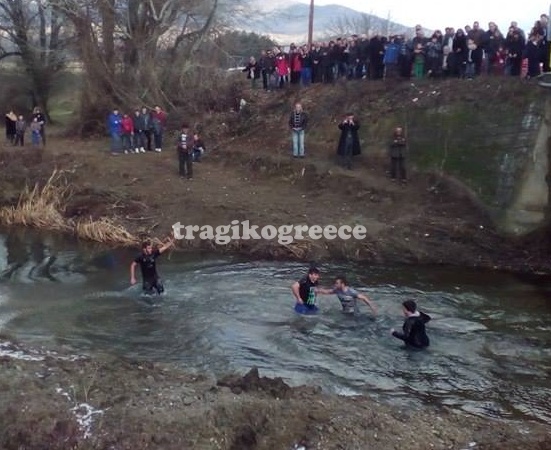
{"points": [[185, 161], [397, 168], [306, 76], [158, 138], [470, 70], [115, 142], [265, 79], [147, 137], [126, 141], [298, 143], [43, 135], [19, 139], [36, 137], [139, 140], [197, 153]]}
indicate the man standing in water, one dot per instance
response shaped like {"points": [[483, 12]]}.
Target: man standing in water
{"points": [[349, 297], [146, 261], [413, 331], [305, 292]]}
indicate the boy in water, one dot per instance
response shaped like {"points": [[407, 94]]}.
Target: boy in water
{"points": [[349, 297], [147, 262], [413, 331], [305, 291]]}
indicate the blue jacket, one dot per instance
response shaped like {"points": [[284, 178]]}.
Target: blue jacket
{"points": [[391, 53], [114, 123]]}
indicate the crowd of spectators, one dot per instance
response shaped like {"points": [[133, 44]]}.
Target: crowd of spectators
{"points": [[463, 53]]}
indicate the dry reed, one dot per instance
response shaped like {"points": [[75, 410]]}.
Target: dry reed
{"points": [[43, 207], [105, 230], [39, 207]]}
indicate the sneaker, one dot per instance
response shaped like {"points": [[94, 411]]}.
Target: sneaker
{"points": [[142, 150], [126, 152], [158, 150], [136, 150]]}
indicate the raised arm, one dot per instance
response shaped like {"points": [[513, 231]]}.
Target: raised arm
{"points": [[166, 246]]}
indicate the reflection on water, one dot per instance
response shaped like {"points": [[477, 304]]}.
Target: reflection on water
{"points": [[490, 333]]}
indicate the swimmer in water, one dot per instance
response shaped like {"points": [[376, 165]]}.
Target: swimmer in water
{"points": [[147, 262], [306, 289], [413, 331], [349, 297]]}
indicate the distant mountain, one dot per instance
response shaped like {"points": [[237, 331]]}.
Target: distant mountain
{"points": [[289, 23]]}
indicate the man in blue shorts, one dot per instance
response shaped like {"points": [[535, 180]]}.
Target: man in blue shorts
{"points": [[305, 292], [146, 260], [349, 297]]}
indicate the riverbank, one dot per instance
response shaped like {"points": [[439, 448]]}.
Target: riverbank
{"points": [[58, 401], [122, 200]]}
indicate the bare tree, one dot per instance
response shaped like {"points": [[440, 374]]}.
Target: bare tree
{"points": [[368, 24], [135, 51], [33, 32], [346, 25]]}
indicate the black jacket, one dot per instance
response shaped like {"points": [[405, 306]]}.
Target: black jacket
{"points": [[353, 128], [398, 147], [413, 331]]}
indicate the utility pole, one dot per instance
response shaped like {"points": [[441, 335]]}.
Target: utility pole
{"points": [[311, 24]]}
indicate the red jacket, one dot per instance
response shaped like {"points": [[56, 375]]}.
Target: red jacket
{"points": [[161, 116], [127, 125]]}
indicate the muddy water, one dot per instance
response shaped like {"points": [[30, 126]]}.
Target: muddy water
{"points": [[490, 333]]}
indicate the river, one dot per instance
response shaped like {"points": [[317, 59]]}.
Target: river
{"points": [[490, 332]]}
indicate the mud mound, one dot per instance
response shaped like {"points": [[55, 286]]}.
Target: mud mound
{"points": [[252, 382]]}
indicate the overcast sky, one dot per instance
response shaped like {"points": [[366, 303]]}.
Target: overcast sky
{"points": [[433, 14]]}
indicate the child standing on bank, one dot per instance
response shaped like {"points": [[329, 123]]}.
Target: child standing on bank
{"points": [[398, 155], [20, 128], [185, 152], [36, 135], [198, 147], [418, 62]]}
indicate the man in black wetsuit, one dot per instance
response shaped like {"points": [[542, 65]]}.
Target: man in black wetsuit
{"points": [[305, 291], [413, 334], [146, 261]]}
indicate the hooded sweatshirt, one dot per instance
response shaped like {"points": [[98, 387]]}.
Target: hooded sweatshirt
{"points": [[413, 331]]}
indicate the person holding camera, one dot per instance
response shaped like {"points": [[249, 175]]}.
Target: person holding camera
{"points": [[349, 142], [397, 156]]}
